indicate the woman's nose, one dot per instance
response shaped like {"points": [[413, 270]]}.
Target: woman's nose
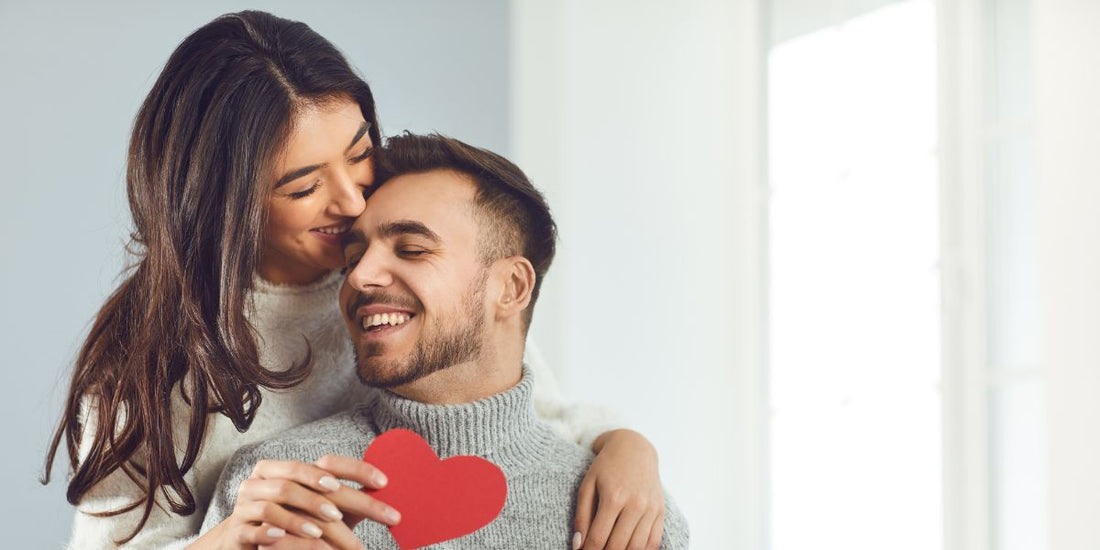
{"points": [[351, 182]]}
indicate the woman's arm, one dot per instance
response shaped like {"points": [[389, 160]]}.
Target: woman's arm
{"points": [[620, 500], [163, 530], [117, 491], [275, 487]]}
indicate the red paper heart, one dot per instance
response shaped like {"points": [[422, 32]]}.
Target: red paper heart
{"points": [[438, 499]]}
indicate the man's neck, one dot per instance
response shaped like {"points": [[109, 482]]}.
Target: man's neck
{"points": [[483, 427], [498, 368]]}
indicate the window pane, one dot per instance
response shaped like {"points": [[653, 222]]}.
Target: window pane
{"points": [[1018, 469], [1012, 253], [1017, 465], [854, 329]]}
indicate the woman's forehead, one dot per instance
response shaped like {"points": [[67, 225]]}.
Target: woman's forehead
{"points": [[325, 128]]}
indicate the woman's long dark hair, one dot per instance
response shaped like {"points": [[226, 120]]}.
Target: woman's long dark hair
{"points": [[198, 177]]}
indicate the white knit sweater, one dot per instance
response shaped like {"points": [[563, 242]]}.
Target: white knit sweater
{"points": [[285, 317]]}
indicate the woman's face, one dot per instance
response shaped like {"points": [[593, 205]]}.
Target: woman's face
{"points": [[318, 193]]}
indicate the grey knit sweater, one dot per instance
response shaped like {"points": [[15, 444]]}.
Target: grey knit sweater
{"points": [[542, 469]]}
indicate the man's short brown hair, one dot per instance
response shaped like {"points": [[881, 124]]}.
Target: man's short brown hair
{"points": [[513, 217]]}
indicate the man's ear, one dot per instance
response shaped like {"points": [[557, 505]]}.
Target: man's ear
{"points": [[517, 278]]}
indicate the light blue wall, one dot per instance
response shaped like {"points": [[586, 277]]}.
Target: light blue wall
{"points": [[72, 75]]}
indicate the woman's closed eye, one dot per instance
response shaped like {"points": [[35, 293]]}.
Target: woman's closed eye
{"points": [[368, 153], [305, 192]]}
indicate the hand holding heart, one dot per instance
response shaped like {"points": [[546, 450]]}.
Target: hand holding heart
{"points": [[355, 505], [439, 499], [282, 501]]}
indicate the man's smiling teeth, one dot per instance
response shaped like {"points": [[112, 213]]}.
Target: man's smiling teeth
{"points": [[333, 230], [379, 319]]}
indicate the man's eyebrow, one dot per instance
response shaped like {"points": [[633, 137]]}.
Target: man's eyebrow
{"points": [[407, 227], [358, 135]]}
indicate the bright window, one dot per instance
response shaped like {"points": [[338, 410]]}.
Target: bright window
{"points": [[854, 329]]}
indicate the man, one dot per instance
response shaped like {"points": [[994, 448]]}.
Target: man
{"points": [[444, 269]]}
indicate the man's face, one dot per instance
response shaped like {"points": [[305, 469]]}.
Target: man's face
{"points": [[414, 297]]}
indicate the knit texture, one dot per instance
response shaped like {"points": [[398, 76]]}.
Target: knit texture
{"points": [[543, 470], [289, 320]]}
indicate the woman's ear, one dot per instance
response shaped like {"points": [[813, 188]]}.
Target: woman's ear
{"points": [[517, 277]]}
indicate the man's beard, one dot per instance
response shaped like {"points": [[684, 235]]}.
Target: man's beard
{"points": [[435, 350]]}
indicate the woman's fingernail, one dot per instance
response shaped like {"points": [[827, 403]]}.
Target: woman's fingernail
{"points": [[329, 483], [392, 516], [380, 479], [331, 511], [578, 540], [311, 530], [275, 532]]}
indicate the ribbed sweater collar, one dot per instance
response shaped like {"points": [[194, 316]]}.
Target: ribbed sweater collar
{"points": [[501, 425], [315, 302], [326, 284]]}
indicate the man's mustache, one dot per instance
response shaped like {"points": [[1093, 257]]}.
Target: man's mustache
{"points": [[385, 298]]}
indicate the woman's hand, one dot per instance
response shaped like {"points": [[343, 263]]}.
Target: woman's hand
{"points": [[355, 505], [623, 490], [284, 498]]}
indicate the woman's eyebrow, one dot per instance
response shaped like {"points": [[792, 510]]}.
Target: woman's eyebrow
{"points": [[295, 174], [358, 135]]}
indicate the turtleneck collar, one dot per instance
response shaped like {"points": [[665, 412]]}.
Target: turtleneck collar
{"points": [[502, 424]]}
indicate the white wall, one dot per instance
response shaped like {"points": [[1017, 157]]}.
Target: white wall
{"points": [[641, 121], [1067, 54], [74, 74]]}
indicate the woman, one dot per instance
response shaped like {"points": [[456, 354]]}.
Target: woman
{"points": [[232, 305]]}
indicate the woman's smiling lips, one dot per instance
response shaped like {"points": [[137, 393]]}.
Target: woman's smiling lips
{"points": [[332, 233]]}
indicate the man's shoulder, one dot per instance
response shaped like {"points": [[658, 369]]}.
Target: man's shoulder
{"points": [[547, 459], [568, 454], [330, 427], [559, 453], [342, 433], [561, 467]]}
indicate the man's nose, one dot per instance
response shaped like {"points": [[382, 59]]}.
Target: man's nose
{"points": [[373, 270]]}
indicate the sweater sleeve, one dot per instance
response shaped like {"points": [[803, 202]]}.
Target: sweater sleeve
{"points": [[164, 529], [580, 423], [676, 533]]}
